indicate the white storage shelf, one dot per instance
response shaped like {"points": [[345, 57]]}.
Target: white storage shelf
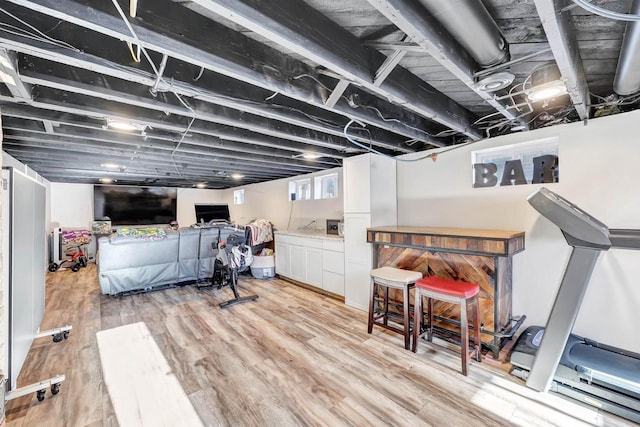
{"points": [[315, 260]]}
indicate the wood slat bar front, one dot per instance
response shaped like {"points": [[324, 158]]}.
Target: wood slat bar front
{"points": [[472, 255]]}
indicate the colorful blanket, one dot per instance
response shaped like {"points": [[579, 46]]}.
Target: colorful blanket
{"points": [[75, 237], [261, 232], [148, 233]]}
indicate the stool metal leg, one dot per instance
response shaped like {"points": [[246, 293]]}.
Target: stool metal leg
{"points": [[417, 319], [476, 328], [372, 299], [386, 305], [464, 338], [430, 329], [405, 305]]}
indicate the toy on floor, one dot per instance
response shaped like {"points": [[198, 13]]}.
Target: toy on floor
{"points": [[76, 259]]}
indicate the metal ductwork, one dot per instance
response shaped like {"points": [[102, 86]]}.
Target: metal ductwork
{"points": [[469, 22], [627, 80]]}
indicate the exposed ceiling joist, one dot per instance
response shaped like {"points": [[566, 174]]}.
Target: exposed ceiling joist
{"points": [[427, 33], [199, 130], [10, 77], [257, 68], [321, 40], [220, 90], [564, 46]]}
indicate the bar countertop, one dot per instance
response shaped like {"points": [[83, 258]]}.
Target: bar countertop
{"points": [[447, 231], [462, 240]]}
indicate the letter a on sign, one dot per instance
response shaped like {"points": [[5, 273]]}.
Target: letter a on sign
{"points": [[513, 173]]}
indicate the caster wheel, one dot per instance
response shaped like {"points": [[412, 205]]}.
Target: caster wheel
{"points": [[57, 337], [53, 267], [83, 261], [75, 267], [65, 334], [55, 388], [40, 395]]}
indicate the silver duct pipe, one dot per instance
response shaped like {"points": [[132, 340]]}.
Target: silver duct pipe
{"points": [[469, 22], [627, 80]]}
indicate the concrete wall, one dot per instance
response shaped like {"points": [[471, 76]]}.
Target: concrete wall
{"points": [[598, 172]]}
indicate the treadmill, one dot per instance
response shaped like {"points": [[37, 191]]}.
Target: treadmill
{"points": [[552, 358]]}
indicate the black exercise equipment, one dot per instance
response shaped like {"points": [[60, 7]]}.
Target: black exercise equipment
{"points": [[233, 257], [552, 358]]}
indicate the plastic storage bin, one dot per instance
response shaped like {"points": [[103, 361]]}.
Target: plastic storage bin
{"points": [[263, 267]]}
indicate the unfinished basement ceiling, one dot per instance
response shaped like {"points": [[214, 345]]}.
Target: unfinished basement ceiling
{"points": [[214, 88]]}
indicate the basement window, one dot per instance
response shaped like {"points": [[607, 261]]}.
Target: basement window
{"points": [[300, 189], [325, 186], [238, 197]]}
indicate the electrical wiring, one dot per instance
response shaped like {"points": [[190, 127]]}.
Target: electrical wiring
{"points": [[60, 43], [606, 13], [373, 150], [184, 134]]}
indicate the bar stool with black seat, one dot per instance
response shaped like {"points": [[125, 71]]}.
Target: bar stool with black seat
{"points": [[452, 291], [390, 277]]}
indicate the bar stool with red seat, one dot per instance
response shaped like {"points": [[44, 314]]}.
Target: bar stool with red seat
{"points": [[391, 277], [452, 291]]}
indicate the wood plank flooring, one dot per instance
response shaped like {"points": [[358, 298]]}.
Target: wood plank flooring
{"points": [[291, 358]]}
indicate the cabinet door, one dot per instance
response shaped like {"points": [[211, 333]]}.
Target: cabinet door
{"points": [[314, 267], [282, 259], [357, 266], [357, 184], [298, 262], [333, 282]]}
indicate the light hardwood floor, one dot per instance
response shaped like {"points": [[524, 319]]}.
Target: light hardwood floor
{"points": [[292, 358]]}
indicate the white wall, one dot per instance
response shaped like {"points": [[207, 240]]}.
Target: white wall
{"points": [[598, 171], [270, 200], [71, 205], [188, 197]]}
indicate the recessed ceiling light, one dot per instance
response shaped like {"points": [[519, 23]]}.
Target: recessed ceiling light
{"points": [[236, 176], [120, 125], [311, 156], [546, 83], [107, 180], [110, 165], [201, 185], [547, 91]]}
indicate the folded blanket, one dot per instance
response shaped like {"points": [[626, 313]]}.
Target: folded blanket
{"points": [[75, 237], [148, 233], [261, 232]]}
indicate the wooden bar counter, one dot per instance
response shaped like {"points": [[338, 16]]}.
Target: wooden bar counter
{"points": [[471, 255]]}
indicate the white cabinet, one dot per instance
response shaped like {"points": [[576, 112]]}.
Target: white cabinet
{"points": [[314, 266], [357, 260], [369, 200], [315, 261]]}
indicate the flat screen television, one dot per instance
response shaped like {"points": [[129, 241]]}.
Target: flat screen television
{"points": [[212, 212], [135, 205]]}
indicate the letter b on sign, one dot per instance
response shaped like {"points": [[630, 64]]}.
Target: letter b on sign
{"points": [[484, 175]]}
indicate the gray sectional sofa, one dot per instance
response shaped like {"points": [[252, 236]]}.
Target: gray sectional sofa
{"points": [[127, 263]]}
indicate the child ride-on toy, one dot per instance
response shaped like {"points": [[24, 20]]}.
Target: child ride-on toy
{"points": [[77, 259]]}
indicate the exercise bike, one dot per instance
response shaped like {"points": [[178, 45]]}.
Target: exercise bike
{"points": [[233, 257]]}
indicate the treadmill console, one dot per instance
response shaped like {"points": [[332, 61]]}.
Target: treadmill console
{"points": [[569, 218]]}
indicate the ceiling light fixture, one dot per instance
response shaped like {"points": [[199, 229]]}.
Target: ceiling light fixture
{"points": [[311, 156], [546, 83], [110, 166], [201, 185], [107, 180], [495, 82], [237, 176]]}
